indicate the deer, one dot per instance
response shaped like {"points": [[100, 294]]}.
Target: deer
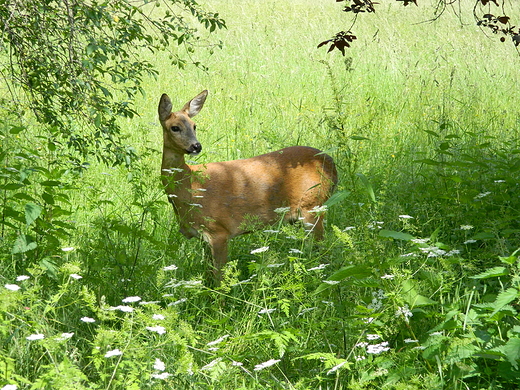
{"points": [[217, 201]]}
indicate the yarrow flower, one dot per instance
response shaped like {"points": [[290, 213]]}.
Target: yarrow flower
{"points": [[12, 287], [159, 365], [65, 336], [266, 311], [404, 311], [114, 352], [157, 329], [297, 251], [387, 277], [76, 276], [22, 278], [470, 241], [162, 375], [321, 266], [217, 341], [9, 387], [126, 309], [131, 299], [87, 319], [336, 367], [36, 336], [466, 227], [172, 267], [266, 364], [404, 216], [282, 210], [411, 341], [319, 209], [378, 348], [373, 336], [158, 317], [260, 250]]}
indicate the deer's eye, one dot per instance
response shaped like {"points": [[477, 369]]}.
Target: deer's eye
{"points": [[194, 127], [175, 129]]}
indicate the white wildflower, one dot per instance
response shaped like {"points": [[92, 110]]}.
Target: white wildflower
{"points": [[466, 227], [217, 341], [211, 364], [282, 210], [404, 216], [266, 364], [276, 265], [36, 336], [499, 181], [266, 311], [295, 251], [404, 311], [159, 365], [436, 334], [9, 387], [131, 299], [114, 352], [362, 344], [12, 287], [319, 209], [236, 364], [162, 375], [158, 317], [21, 278], [349, 228], [126, 309], [172, 267], [306, 310], [260, 250], [482, 195], [420, 240], [272, 231], [76, 276], [178, 302], [387, 276], [373, 336], [87, 319], [67, 249], [149, 302], [321, 266], [470, 242], [411, 341], [65, 336], [378, 348], [331, 282], [157, 329], [336, 367], [360, 358], [368, 320], [410, 254]]}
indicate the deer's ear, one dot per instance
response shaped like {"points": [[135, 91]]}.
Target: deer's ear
{"points": [[194, 106], [165, 107]]}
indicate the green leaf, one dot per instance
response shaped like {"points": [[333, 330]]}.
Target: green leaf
{"points": [[368, 186], [23, 244], [491, 273], [356, 271], [32, 211], [413, 298], [504, 298], [396, 235], [358, 138], [512, 351], [337, 197]]}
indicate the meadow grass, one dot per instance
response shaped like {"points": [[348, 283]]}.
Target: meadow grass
{"points": [[416, 283]]}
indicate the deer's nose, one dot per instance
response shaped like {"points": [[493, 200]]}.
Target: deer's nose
{"points": [[195, 148]]}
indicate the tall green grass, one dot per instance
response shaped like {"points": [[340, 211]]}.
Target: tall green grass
{"points": [[422, 120]]}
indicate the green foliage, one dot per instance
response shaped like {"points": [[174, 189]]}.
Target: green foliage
{"points": [[416, 285]]}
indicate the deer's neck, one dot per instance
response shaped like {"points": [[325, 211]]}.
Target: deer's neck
{"points": [[176, 176]]}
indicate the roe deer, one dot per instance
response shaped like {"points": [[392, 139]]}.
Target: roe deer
{"points": [[217, 199]]}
